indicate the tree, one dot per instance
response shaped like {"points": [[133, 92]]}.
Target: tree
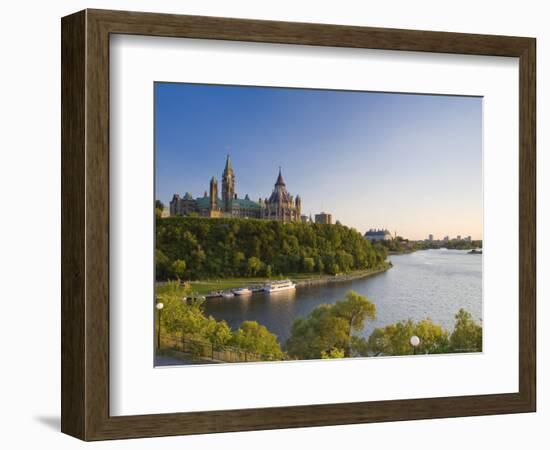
{"points": [[185, 317], [238, 259], [178, 268], [394, 339], [254, 265], [217, 333], [171, 296], [334, 353], [162, 265], [254, 338], [359, 346], [329, 329], [334, 269], [309, 264], [320, 332], [467, 335], [355, 309]]}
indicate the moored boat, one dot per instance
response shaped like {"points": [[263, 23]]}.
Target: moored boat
{"points": [[227, 294], [242, 291], [276, 286], [214, 294]]}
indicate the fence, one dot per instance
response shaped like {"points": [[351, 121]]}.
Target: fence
{"points": [[203, 349]]}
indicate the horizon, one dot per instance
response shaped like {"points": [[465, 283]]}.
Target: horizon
{"points": [[372, 160]]}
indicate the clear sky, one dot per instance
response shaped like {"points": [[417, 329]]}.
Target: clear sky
{"points": [[408, 163]]}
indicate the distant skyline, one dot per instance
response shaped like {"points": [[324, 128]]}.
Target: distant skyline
{"points": [[406, 162]]}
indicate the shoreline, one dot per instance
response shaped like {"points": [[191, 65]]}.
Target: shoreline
{"points": [[300, 282], [340, 278]]}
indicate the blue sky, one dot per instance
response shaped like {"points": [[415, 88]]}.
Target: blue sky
{"points": [[409, 163]]}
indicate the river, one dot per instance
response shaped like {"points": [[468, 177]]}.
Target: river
{"points": [[428, 283]]}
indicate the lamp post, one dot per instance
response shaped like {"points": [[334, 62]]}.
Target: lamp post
{"points": [[159, 307], [414, 341]]}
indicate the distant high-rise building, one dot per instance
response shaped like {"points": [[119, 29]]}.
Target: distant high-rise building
{"points": [[446, 239], [430, 237], [324, 218], [459, 237]]}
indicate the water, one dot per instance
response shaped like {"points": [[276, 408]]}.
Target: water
{"points": [[425, 284]]}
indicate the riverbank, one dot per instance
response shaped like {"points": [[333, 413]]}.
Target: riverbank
{"points": [[402, 252], [329, 279], [204, 287]]}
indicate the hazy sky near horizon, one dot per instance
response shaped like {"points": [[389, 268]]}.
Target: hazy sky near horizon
{"points": [[406, 162]]}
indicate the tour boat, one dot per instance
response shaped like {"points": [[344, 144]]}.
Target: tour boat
{"points": [[242, 291], [277, 286]]}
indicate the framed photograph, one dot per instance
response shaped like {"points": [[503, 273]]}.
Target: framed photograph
{"points": [[273, 225]]}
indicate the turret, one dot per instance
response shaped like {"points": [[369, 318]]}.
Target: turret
{"points": [[228, 184], [213, 193], [280, 180]]}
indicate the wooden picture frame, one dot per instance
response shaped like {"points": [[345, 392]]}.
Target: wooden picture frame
{"points": [[85, 224]]}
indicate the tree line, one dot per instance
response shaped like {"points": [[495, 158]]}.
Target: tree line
{"points": [[185, 317], [329, 331], [194, 248], [401, 245]]}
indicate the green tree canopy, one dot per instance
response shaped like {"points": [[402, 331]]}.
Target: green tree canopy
{"points": [[329, 329], [254, 338], [254, 265], [229, 247], [184, 316], [394, 340], [178, 268], [467, 334]]}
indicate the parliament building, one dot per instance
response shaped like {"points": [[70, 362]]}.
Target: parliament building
{"points": [[279, 206]]}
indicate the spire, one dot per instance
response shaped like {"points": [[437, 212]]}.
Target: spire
{"points": [[280, 180], [228, 165]]}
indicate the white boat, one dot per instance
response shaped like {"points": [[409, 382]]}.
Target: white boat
{"points": [[242, 291], [277, 286], [227, 294]]}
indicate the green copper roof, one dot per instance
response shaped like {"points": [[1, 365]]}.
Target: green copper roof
{"points": [[204, 202], [244, 203]]}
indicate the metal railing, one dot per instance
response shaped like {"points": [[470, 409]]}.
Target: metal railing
{"points": [[198, 349]]}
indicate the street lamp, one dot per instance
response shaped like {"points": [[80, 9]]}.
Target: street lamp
{"points": [[415, 341], [159, 307]]}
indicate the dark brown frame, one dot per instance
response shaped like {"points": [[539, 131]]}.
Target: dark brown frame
{"points": [[85, 224]]}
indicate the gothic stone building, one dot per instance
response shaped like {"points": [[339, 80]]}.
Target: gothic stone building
{"points": [[279, 206]]}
